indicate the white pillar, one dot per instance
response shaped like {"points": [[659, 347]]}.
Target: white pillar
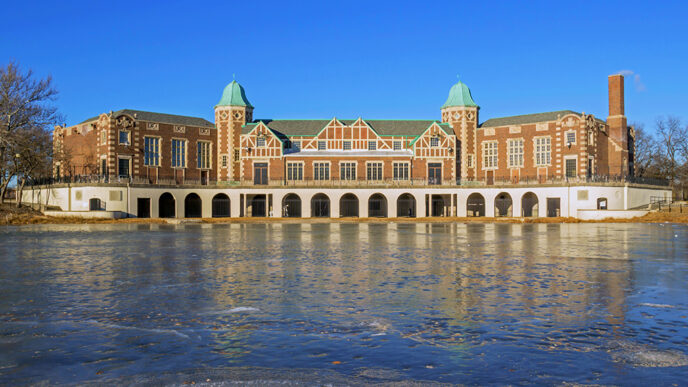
{"points": [[461, 200], [207, 206], [306, 205], [179, 205], [234, 204], [334, 205], [490, 206], [420, 204], [392, 206], [277, 205], [363, 205]]}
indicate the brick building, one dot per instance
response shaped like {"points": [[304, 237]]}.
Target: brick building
{"points": [[456, 150]]}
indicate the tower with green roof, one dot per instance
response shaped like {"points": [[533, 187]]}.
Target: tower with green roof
{"points": [[461, 112], [231, 113]]}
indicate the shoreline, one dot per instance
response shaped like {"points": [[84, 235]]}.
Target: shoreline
{"points": [[28, 219]]}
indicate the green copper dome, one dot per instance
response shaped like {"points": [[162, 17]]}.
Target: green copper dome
{"points": [[459, 95], [234, 95]]}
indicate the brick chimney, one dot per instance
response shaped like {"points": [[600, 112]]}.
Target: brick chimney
{"points": [[618, 127], [617, 120]]}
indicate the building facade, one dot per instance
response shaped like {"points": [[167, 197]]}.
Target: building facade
{"points": [[455, 150]]}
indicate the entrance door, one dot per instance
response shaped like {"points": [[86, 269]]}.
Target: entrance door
{"points": [[204, 177], [103, 167], [260, 173], [434, 173], [553, 207], [490, 177], [143, 207]]}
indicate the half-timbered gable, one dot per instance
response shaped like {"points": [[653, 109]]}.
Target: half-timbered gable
{"points": [[261, 142], [435, 142]]}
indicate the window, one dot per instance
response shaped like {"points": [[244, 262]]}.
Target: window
{"points": [[346, 145], [151, 151], [178, 153], [321, 171], [224, 161], [543, 150], [374, 171], [397, 145], [260, 142], [571, 168], [123, 167], [236, 155], [322, 145], [124, 137], [490, 156], [515, 153], [103, 137], [296, 145], [294, 171], [287, 144], [570, 138], [469, 161], [372, 145], [203, 155], [434, 142], [347, 171], [401, 171]]}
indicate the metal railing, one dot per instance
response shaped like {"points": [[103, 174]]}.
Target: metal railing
{"points": [[335, 183]]}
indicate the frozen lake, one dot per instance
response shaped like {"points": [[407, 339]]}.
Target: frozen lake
{"points": [[344, 303]]}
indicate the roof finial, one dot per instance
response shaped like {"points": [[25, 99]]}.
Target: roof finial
{"points": [[234, 76], [458, 77]]}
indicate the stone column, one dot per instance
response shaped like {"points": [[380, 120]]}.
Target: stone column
{"points": [[420, 204], [334, 205], [363, 205], [234, 204], [306, 205], [392, 206]]}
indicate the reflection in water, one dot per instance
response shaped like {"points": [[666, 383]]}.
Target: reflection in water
{"points": [[469, 303]]}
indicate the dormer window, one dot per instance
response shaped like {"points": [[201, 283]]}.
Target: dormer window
{"points": [[260, 142], [346, 145], [397, 145], [322, 145], [372, 145], [434, 141]]}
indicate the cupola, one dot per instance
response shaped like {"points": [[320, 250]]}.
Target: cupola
{"points": [[459, 95], [234, 95]]}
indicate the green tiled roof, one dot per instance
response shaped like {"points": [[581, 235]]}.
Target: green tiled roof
{"points": [[161, 117], [459, 95], [234, 95], [313, 127]]}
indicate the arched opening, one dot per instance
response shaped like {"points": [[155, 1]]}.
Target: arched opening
{"points": [[504, 205], [475, 205], [406, 205], [602, 203], [166, 206], [221, 206], [258, 206], [192, 206], [348, 205], [320, 206], [291, 206], [377, 206], [530, 205]]}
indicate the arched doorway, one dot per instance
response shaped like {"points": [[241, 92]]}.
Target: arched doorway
{"points": [[530, 205], [504, 205], [291, 206], [193, 206], [377, 206], [320, 206], [406, 205], [475, 205], [166, 206], [258, 206], [221, 206], [348, 205]]}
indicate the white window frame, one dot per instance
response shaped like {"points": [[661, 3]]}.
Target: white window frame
{"points": [[469, 160], [397, 145], [381, 170], [434, 141], [397, 166], [261, 142], [372, 145], [348, 176], [490, 154], [575, 159], [566, 137], [542, 152], [119, 137], [322, 145], [344, 145], [316, 175], [158, 147], [209, 160], [224, 160], [183, 156], [514, 152], [295, 170], [128, 158]]}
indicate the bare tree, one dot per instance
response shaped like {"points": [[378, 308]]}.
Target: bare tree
{"points": [[24, 106], [645, 153], [34, 150], [670, 160]]}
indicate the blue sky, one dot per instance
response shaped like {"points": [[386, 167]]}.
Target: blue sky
{"points": [[347, 59]]}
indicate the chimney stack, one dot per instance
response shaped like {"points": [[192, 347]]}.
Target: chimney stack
{"points": [[616, 95]]}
